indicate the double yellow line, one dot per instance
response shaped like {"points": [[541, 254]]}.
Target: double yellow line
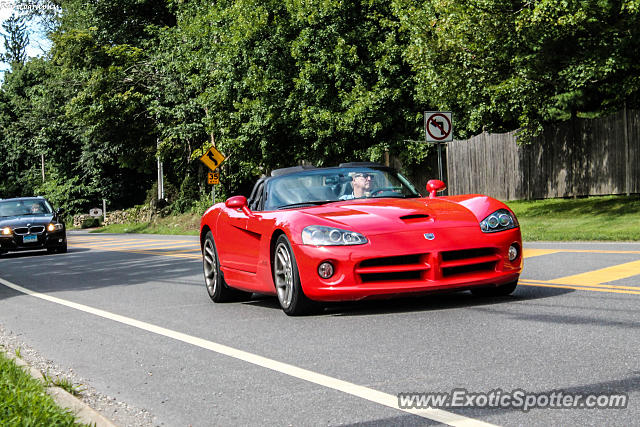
{"points": [[594, 280], [595, 288], [133, 245]]}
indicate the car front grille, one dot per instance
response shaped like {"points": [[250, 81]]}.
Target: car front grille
{"points": [[396, 268], [456, 263], [36, 229], [423, 267]]}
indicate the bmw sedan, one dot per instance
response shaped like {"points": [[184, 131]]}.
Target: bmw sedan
{"points": [[28, 223]]}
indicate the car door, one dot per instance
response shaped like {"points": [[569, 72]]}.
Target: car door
{"points": [[239, 235]]}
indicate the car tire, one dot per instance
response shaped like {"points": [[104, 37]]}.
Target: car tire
{"points": [[217, 288], [286, 279], [498, 291], [58, 249]]}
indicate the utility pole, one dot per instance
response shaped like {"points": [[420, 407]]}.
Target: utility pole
{"points": [[160, 173], [42, 162]]}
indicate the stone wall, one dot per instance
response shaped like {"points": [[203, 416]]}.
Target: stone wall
{"points": [[137, 214]]}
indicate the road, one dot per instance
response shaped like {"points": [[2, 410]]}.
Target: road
{"points": [[130, 313]]}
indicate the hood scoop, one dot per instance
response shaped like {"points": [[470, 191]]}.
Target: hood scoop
{"points": [[415, 218]]}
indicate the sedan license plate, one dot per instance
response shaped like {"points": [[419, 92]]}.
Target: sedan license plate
{"points": [[31, 238]]}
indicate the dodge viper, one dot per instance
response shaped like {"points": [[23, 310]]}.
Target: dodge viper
{"points": [[359, 230]]}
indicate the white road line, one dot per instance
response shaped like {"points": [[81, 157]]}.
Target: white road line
{"points": [[366, 393]]}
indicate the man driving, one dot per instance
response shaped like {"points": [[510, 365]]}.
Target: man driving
{"points": [[361, 185], [36, 208]]}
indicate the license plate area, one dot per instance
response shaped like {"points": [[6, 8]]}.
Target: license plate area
{"points": [[30, 238]]}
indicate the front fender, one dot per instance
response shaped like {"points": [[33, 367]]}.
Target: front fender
{"points": [[481, 206]]}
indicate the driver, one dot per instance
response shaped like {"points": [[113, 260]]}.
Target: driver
{"points": [[361, 185], [36, 208]]}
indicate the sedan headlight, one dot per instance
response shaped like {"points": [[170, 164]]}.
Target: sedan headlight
{"points": [[319, 235], [6, 231], [54, 227], [500, 220]]}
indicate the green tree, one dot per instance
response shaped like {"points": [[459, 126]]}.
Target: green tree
{"points": [[16, 40], [502, 65]]}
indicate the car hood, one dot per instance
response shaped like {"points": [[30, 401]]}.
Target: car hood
{"points": [[376, 216], [23, 220]]}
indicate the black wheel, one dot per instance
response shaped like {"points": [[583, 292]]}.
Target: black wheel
{"points": [[287, 280], [498, 291], [217, 288], [58, 249]]}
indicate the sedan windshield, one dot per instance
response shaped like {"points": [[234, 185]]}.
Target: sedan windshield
{"points": [[24, 207], [334, 184]]}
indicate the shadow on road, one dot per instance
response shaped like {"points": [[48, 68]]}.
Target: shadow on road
{"points": [[418, 303], [82, 269]]}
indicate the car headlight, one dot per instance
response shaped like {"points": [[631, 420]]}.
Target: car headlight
{"points": [[54, 227], [6, 231], [500, 220], [319, 235]]}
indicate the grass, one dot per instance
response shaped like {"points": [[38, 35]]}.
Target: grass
{"points": [[174, 224], [63, 383], [24, 401], [615, 218]]}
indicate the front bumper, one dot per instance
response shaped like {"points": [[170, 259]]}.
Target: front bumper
{"points": [[407, 263], [44, 240]]}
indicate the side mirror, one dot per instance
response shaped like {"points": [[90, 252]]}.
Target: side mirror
{"points": [[435, 185], [238, 202]]}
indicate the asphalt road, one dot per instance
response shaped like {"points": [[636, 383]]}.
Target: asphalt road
{"points": [[131, 314]]}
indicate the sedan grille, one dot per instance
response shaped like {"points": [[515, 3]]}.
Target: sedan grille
{"points": [[36, 229]]}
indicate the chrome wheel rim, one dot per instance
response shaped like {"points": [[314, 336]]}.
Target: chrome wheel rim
{"points": [[210, 267], [284, 275]]}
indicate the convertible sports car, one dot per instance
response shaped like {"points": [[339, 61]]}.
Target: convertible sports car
{"points": [[29, 223], [359, 230]]}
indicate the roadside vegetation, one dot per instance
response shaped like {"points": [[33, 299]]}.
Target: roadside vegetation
{"points": [[24, 401], [185, 223], [614, 218], [593, 218], [274, 83]]}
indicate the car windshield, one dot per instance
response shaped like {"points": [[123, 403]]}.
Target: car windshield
{"points": [[24, 207], [319, 186]]}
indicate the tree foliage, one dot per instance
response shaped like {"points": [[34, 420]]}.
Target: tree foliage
{"points": [[16, 40], [502, 65], [274, 83]]}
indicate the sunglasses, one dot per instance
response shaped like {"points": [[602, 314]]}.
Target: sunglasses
{"points": [[363, 175]]}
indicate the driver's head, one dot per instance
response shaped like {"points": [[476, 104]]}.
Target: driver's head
{"points": [[361, 182], [36, 208]]}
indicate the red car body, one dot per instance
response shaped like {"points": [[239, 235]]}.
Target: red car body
{"points": [[414, 245]]}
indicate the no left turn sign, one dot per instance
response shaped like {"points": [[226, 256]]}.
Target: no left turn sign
{"points": [[438, 126]]}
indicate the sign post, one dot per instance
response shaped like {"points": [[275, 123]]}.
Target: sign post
{"points": [[213, 159], [438, 127]]}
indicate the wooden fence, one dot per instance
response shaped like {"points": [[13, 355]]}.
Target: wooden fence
{"points": [[578, 158]]}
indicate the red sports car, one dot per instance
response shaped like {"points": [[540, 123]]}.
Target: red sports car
{"points": [[359, 230]]}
